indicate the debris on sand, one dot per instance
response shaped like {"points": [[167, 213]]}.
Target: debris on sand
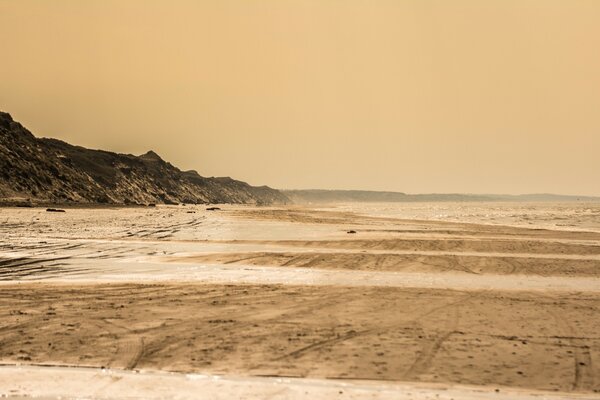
{"points": [[54, 210], [212, 209], [351, 231]]}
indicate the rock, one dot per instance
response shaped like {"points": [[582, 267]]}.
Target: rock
{"points": [[351, 232], [212, 209], [54, 210]]}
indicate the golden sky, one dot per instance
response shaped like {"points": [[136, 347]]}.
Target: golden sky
{"points": [[479, 96]]}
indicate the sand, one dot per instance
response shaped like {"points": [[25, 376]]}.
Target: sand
{"points": [[262, 293]]}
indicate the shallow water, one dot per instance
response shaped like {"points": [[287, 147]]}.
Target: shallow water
{"points": [[138, 244], [145, 271], [580, 216]]}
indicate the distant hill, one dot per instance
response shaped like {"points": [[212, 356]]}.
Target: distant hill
{"points": [[50, 170], [316, 196]]}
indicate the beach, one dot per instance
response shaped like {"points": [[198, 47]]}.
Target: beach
{"points": [[481, 298]]}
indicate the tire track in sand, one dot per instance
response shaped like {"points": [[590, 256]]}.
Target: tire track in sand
{"points": [[423, 361], [432, 346], [130, 348], [583, 370]]}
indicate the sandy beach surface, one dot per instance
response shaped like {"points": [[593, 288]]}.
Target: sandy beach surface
{"points": [[421, 301]]}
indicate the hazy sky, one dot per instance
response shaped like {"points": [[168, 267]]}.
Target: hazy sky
{"points": [[416, 96]]}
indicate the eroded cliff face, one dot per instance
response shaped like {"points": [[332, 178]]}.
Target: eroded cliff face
{"points": [[50, 170]]}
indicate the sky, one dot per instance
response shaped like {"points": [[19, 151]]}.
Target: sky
{"points": [[418, 96]]}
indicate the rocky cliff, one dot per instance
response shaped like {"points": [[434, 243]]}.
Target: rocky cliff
{"points": [[50, 170]]}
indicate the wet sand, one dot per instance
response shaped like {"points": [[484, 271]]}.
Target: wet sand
{"points": [[256, 292], [540, 341]]}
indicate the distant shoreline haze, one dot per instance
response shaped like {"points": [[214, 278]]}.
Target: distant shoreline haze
{"points": [[332, 196], [50, 170]]}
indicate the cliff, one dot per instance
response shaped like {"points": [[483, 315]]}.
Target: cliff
{"points": [[50, 170]]}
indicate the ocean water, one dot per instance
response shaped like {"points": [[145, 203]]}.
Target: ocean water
{"points": [[576, 216]]}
